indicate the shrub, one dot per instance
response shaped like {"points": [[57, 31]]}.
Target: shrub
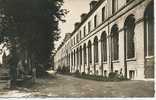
{"points": [[83, 73], [112, 75], [123, 78]]}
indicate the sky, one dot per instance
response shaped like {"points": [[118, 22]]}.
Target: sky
{"points": [[76, 8]]}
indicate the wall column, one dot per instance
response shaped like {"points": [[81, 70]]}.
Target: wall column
{"points": [[93, 62], [74, 63], [87, 62], [109, 52], [79, 60], [66, 60], [139, 48], [82, 66], [122, 52], [71, 61], [100, 58], [75, 60]]}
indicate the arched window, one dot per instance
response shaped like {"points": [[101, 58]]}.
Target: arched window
{"points": [[115, 42], [149, 30], [89, 52], [129, 32], [104, 46], [77, 58], [96, 49], [74, 59], [84, 50], [80, 55]]}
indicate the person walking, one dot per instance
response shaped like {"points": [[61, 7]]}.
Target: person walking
{"points": [[12, 70]]}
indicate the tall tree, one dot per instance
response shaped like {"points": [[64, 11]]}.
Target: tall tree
{"points": [[33, 26]]}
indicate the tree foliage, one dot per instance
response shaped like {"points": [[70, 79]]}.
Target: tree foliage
{"points": [[32, 26]]}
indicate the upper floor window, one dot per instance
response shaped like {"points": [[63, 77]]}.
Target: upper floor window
{"points": [[84, 30], [74, 40], [89, 26], [127, 1], [80, 36], [103, 13], [77, 38], [71, 42], [114, 6], [95, 21]]}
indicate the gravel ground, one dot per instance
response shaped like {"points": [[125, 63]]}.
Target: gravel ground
{"points": [[68, 86]]}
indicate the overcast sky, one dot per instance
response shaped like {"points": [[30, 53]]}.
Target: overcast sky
{"points": [[76, 8]]}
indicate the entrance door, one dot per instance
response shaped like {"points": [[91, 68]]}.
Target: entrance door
{"points": [[131, 74]]}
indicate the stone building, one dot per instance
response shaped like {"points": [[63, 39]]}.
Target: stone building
{"points": [[115, 36], [62, 56]]}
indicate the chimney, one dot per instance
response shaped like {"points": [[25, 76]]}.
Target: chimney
{"points": [[77, 25], [83, 16], [92, 4]]}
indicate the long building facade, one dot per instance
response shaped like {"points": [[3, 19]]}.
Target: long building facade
{"points": [[115, 36]]}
